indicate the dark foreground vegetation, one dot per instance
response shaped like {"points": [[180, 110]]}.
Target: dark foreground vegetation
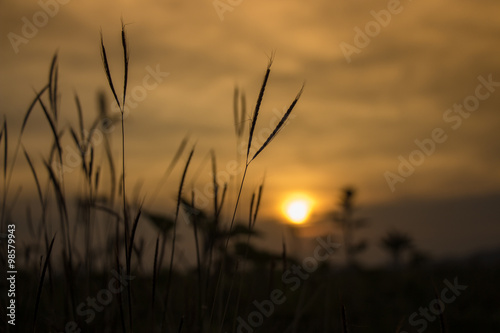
{"points": [[327, 301], [82, 268]]}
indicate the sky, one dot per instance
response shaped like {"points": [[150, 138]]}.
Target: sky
{"points": [[401, 100]]}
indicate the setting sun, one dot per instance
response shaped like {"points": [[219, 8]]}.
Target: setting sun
{"points": [[297, 209]]}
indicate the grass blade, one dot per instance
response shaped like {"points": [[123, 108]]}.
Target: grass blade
{"points": [[250, 213], [54, 92], [198, 261], [243, 114], [61, 201], [96, 179], [155, 272], [222, 199], [180, 325], [39, 189], [129, 257], [257, 105], [40, 285], [82, 149], [108, 72], [215, 185], [280, 125], [442, 322], [257, 205], [30, 108], [344, 320], [179, 199], [125, 62], [53, 128], [53, 85], [91, 163], [283, 254], [58, 189], [132, 237], [80, 117], [235, 112]]}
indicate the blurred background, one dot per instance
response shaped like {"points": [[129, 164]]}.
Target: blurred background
{"points": [[379, 76]]}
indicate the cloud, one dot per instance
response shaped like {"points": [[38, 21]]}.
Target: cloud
{"points": [[353, 120]]}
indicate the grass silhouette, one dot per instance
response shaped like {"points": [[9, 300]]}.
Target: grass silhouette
{"points": [[71, 266]]}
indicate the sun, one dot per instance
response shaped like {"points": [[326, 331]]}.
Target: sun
{"points": [[297, 209]]}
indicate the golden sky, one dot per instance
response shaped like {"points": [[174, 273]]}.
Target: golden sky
{"points": [[379, 76]]}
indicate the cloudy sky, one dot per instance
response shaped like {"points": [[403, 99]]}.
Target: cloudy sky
{"points": [[380, 75]]}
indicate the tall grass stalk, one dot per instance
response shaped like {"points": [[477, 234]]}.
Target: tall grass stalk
{"points": [[121, 106], [198, 262], [343, 317], [155, 275], [250, 158], [40, 285], [252, 217], [172, 252]]}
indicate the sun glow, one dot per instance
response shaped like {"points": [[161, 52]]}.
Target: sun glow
{"points": [[297, 209]]}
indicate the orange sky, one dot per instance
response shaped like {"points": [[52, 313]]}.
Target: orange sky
{"points": [[357, 115]]}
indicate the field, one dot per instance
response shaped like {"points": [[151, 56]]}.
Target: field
{"points": [[81, 263]]}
